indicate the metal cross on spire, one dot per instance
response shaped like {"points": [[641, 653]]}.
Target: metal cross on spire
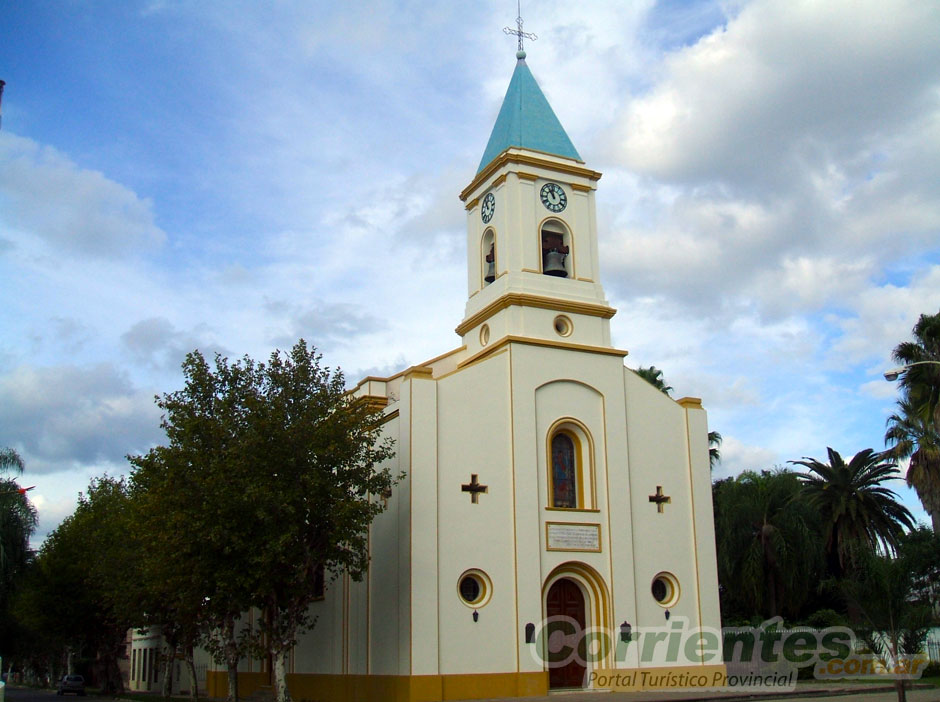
{"points": [[518, 31]]}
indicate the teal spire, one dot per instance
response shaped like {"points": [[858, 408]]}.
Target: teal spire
{"points": [[526, 120]]}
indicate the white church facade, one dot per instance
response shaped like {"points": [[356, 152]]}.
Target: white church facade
{"points": [[544, 480]]}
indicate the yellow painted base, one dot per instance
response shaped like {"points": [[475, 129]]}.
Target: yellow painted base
{"points": [[389, 688], [666, 679]]}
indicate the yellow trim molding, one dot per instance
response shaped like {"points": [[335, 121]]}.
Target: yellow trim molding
{"points": [[418, 371], [581, 188], [690, 402], [525, 175], [661, 679], [499, 181], [598, 610], [540, 342], [374, 402], [388, 417], [592, 309], [584, 459], [473, 203], [390, 688], [570, 509], [514, 157]]}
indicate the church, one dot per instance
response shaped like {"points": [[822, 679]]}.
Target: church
{"points": [[549, 491]]}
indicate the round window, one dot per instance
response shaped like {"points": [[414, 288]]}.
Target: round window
{"points": [[470, 589], [484, 335], [563, 325], [474, 588], [665, 589]]}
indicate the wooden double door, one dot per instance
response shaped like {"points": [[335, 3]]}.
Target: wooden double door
{"points": [[565, 636]]}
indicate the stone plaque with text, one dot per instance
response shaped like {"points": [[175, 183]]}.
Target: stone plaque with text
{"points": [[565, 536]]}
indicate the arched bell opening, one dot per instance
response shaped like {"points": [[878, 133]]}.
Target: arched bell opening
{"points": [[488, 256], [556, 249]]}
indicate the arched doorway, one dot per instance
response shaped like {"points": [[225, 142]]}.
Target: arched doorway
{"points": [[564, 607]]}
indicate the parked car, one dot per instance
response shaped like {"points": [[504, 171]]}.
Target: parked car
{"points": [[71, 683]]}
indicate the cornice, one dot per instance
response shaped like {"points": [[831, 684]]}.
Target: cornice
{"points": [[530, 159], [550, 343], [527, 300]]}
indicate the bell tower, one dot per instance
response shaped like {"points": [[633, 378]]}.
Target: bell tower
{"points": [[532, 260]]}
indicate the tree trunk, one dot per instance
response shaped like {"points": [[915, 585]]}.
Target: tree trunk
{"points": [[281, 693], [114, 681], [232, 681], [193, 683], [902, 694], [168, 660], [231, 659]]}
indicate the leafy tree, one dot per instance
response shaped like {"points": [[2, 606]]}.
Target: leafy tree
{"points": [[856, 510], [171, 596], [889, 619], [192, 495], [82, 593], [768, 548], [920, 551], [285, 465], [914, 431]]}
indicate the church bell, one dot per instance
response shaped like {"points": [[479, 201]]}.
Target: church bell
{"points": [[554, 264], [490, 265]]}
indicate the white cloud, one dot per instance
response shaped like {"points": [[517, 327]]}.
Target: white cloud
{"points": [[156, 342], [884, 316], [47, 195], [736, 456], [768, 217], [67, 417], [785, 85]]}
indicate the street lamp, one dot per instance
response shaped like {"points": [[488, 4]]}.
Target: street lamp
{"points": [[892, 375]]}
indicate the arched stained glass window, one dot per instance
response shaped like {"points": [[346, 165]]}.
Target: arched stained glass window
{"points": [[564, 472]]}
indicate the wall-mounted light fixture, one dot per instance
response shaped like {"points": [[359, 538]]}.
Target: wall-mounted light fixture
{"points": [[530, 633], [476, 615], [626, 631]]}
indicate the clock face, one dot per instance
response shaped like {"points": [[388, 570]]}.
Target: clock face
{"points": [[488, 208], [553, 197]]}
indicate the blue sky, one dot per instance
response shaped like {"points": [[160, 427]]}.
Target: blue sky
{"points": [[232, 176]]}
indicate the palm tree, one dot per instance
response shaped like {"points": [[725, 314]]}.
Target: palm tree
{"points": [[914, 431], [856, 510], [916, 437], [17, 517], [654, 376], [10, 460], [17, 522], [714, 448], [768, 547], [921, 383]]}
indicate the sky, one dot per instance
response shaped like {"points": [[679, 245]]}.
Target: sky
{"points": [[232, 176]]}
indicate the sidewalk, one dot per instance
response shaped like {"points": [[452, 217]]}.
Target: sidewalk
{"points": [[811, 691]]}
